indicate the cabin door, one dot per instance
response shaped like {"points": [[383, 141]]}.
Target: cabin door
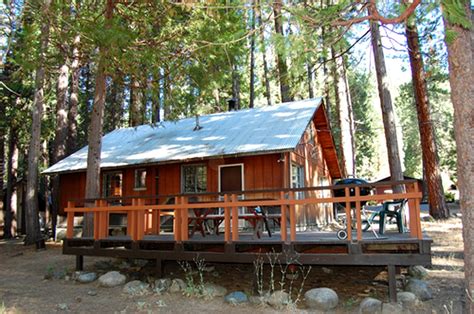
{"points": [[231, 178]]}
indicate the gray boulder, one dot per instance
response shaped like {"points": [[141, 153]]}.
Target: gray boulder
{"points": [[419, 288], [136, 287], [407, 299], [112, 279], [418, 272], [86, 277], [279, 299], [370, 306], [392, 308], [212, 290], [236, 297], [322, 299], [177, 285], [162, 285]]}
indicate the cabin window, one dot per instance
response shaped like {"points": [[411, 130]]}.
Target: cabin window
{"points": [[112, 184], [297, 179], [194, 178], [140, 179]]}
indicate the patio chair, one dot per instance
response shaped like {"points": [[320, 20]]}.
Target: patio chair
{"points": [[392, 209]]}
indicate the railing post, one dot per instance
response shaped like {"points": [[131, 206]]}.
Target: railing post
{"points": [[70, 220], [104, 220], [292, 216], [131, 222], [226, 220], [283, 218], [97, 220], [177, 221], [414, 212], [235, 219], [184, 219], [358, 215], [140, 219], [348, 214]]}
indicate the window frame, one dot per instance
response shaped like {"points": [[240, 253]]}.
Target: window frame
{"points": [[105, 182], [139, 180], [196, 180]]}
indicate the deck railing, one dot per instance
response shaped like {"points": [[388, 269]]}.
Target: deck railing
{"points": [[144, 213]]}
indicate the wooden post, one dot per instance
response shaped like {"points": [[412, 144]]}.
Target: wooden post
{"points": [[417, 224], [358, 215], [235, 219], [283, 207], [392, 283], [157, 221], [412, 212], [184, 219], [131, 222], [292, 217], [140, 219], [348, 214], [97, 218], [104, 220], [70, 221], [226, 220], [177, 221]]}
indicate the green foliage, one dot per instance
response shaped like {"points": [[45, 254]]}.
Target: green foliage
{"points": [[454, 11]]}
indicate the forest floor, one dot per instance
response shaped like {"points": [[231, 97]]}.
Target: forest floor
{"points": [[24, 289]]}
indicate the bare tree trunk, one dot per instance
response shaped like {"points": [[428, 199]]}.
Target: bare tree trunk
{"points": [[156, 98], [166, 95], [280, 55], [344, 114], [266, 75], [461, 78], [388, 114], [309, 75], [236, 85], [10, 200], [438, 208], [136, 103], [252, 60], [95, 131], [71, 144], [33, 234]]}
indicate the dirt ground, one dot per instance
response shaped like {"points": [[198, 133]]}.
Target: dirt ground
{"points": [[24, 289]]}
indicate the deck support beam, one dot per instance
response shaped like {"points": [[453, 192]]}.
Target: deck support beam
{"points": [[392, 283], [79, 262]]}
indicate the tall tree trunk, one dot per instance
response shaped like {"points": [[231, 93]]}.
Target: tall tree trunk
{"points": [[156, 98], [438, 208], [263, 50], [33, 234], [167, 89], [136, 103], [252, 60], [461, 78], [309, 76], [59, 143], [236, 85], [10, 200], [344, 114], [95, 131], [71, 144], [280, 55], [388, 114]]}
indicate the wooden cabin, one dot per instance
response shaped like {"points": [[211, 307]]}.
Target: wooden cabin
{"points": [[282, 146]]}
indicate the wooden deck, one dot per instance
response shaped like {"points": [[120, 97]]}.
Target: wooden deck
{"points": [[146, 238]]}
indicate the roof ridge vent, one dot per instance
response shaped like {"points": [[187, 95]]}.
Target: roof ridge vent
{"points": [[197, 127]]}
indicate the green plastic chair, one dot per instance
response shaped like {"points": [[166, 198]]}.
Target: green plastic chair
{"points": [[392, 209]]}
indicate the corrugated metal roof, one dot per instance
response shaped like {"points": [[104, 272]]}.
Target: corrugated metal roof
{"points": [[259, 130]]}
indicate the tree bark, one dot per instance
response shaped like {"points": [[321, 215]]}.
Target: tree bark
{"points": [[33, 234], [10, 199], [309, 75], [236, 85], [345, 116], [280, 55], [388, 114], [252, 60], [136, 103], [156, 98], [266, 76], [95, 131], [461, 78], [438, 208], [71, 144]]}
